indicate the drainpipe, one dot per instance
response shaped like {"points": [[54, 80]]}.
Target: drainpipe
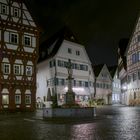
{"points": [[95, 87], [55, 78]]}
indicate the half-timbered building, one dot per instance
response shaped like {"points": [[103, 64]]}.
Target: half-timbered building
{"points": [[18, 56], [122, 70], [133, 66]]}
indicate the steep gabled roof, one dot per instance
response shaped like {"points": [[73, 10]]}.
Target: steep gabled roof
{"points": [[29, 7], [97, 69], [123, 43], [137, 20], [51, 46], [112, 70]]}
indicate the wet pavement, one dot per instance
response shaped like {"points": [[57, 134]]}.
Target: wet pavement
{"points": [[111, 123]]}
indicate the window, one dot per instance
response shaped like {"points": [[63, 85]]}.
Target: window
{"points": [[138, 38], [81, 67], [133, 58], [86, 84], [44, 98], [69, 50], [17, 99], [134, 76], [3, 9], [80, 83], [61, 82], [5, 99], [129, 78], [6, 68], [27, 40], [13, 38], [77, 66], [77, 52], [60, 63], [74, 82], [29, 70], [15, 12], [55, 81], [52, 63], [100, 85], [28, 99], [138, 74], [17, 69], [103, 85]]}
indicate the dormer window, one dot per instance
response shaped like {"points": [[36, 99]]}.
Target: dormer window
{"points": [[15, 12], [3, 9]]}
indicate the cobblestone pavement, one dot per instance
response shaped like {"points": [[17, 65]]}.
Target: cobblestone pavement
{"points": [[111, 123]]}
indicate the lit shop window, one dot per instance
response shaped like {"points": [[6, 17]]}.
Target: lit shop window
{"points": [[29, 70], [13, 38], [27, 40], [6, 68], [17, 99], [28, 99], [5, 99], [17, 69]]}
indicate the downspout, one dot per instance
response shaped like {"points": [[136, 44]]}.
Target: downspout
{"points": [[95, 87]]}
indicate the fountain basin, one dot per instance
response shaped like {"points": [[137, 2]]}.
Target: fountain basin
{"points": [[69, 112]]}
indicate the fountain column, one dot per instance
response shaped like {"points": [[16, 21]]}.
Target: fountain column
{"points": [[70, 95]]}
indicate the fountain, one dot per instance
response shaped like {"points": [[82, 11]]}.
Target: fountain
{"points": [[70, 95], [70, 109]]}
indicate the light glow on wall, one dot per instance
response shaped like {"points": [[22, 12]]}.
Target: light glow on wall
{"points": [[124, 87], [75, 88]]}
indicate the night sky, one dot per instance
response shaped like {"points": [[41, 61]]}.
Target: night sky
{"points": [[97, 24]]}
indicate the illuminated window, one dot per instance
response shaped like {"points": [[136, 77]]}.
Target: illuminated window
{"points": [[28, 99], [6, 68], [13, 38], [17, 99], [17, 69], [29, 70], [27, 40], [5, 99]]}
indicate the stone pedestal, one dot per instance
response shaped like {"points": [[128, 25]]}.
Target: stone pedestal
{"points": [[70, 97]]}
